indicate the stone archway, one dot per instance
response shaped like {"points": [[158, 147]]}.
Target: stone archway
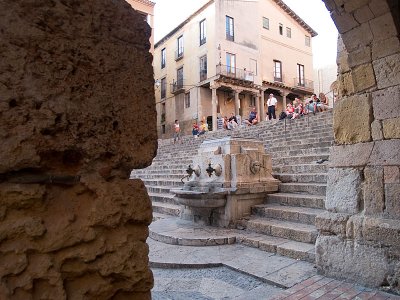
{"points": [[360, 234]]}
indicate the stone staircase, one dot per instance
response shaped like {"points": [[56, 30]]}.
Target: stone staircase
{"points": [[284, 224]]}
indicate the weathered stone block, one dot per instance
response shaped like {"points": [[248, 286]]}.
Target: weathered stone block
{"points": [[392, 174], [385, 153], [329, 223], [343, 63], [352, 5], [373, 190], [387, 71], [379, 7], [379, 232], [363, 76], [358, 37], [385, 47], [346, 85], [344, 22], [391, 128], [351, 155], [343, 191], [351, 260], [352, 119], [363, 14], [359, 57], [376, 130], [383, 27], [392, 200], [386, 103]]}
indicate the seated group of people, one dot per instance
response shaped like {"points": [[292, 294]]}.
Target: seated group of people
{"points": [[298, 108], [231, 122], [199, 130]]}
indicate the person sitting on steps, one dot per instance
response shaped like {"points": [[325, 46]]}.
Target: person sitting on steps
{"points": [[252, 120]]}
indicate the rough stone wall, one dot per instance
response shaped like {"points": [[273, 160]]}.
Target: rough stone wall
{"points": [[77, 114], [359, 236]]}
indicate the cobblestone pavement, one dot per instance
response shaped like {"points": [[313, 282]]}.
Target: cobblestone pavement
{"points": [[240, 272], [208, 284]]}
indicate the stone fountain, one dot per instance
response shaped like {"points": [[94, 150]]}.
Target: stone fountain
{"points": [[227, 178]]}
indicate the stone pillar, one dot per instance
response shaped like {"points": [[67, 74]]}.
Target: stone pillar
{"points": [[284, 100], [214, 103], [237, 102], [257, 96], [72, 224], [359, 235], [262, 106]]}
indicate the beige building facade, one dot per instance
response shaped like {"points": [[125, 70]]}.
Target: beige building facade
{"points": [[227, 57], [145, 8]]}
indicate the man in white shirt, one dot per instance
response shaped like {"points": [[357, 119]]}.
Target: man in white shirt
{"points": [[271, 106]]}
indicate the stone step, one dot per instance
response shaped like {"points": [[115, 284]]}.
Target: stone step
{"points": [[162, 182], [166, 208], [155, 170], [299, 159], [303, 188], [294, 134], [281, 246], [301, 168], [288, 213], [161, 176], [284, 142], [304, 177], [297, 152], [158, 189], [158, 216], [273, 148], [300, 200], [299, 232], [162, 197]]}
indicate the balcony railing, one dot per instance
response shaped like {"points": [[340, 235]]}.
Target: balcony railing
{"points": [[236, 73], [277, 77], [177, 87], [179, 54], [304, 83], [203, 75]]}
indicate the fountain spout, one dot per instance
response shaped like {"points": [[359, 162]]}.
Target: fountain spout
{"points": [[190, 170], [217, 170]]}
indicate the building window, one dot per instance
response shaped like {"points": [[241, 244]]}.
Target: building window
{"points": [[288, 32], [179, 51], [179, 77], [280, 29], [230, 63], [277, 70], [308, 41], [230, 33], [202, 32], [300, 74], [163, 58], [203, 68], [163, 129], [187, 100], [265, 23], [163, 88]]}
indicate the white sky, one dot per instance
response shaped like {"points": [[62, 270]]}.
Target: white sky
{"points": [[170, 13]]}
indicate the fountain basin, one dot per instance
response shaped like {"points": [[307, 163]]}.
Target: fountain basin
{"points": [[201, 198]]}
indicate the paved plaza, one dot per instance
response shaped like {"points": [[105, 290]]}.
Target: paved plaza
{"points": [[236, 271]]}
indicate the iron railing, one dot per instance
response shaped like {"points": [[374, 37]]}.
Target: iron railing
{"points": [[236, 73], [303, 83], [177, 87], [179, 53]]}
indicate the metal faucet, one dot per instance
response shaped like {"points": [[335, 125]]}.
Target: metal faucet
{"points": [[210, 170], [190, 170]]}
